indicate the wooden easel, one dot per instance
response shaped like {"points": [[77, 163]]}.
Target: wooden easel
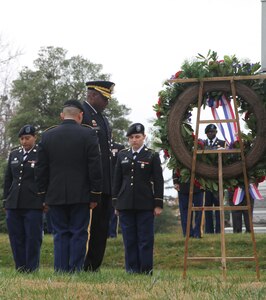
{"points": [[223, 258]]}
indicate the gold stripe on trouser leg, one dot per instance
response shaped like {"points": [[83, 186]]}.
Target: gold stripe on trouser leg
{"points": [[89, 228]]}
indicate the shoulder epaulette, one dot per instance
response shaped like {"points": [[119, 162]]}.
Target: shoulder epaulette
{"points": [[152, 150], [125, 149], [50, 128], [16, 148], [86, 125]]}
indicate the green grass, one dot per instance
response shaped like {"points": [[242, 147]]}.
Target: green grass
{"points": [[204, 279]]}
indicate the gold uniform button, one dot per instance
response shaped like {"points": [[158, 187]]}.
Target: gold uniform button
{"points": [[131, 183]]}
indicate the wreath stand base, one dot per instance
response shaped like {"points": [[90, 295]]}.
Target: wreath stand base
{"points": [[220, 174]]}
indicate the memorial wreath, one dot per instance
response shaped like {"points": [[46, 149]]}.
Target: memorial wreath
{"points": [[252, 113]]}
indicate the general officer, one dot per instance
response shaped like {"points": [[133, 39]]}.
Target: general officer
{"points": [[137, 198], [69, 174], [98, 96], [212, 142], [24, 209]]}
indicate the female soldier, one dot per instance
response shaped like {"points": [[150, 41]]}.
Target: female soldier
{"points": [[137, 198], [23, 208]]}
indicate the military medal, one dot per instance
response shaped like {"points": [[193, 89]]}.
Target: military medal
{"points": [[114, 151], [143, 163], [94, 123], [32, 163]]}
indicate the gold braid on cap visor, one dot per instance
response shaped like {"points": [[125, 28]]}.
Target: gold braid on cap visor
{"points": [[104, 91]]}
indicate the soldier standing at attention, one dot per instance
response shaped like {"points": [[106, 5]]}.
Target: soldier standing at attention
{"points": [[137, 198], [98, 96], [212, 199], [24, 209], [69, 174]]}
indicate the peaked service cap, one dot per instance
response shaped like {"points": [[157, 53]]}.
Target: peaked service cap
{"points": [[104, 87]]}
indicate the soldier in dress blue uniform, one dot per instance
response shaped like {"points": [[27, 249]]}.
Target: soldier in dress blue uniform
{"points": [[137, 198], [24, 209], [212, 142], [98, 96], [69, 174]]}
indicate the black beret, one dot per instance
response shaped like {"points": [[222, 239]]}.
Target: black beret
{"points": [[73, 103], [104, 87], [26, 129], [135, 128], [210, 127]]}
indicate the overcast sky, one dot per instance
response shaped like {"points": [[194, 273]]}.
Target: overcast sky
{"points": [[140, 43]]}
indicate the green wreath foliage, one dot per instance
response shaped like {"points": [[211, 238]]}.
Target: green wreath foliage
{"points": [[201, 67]]}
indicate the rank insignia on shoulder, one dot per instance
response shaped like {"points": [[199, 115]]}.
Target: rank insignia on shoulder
{"points": [[86, 125], [50, 128], [16, 148]]}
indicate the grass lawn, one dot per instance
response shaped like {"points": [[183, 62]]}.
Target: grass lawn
{"points": [[204, 279]]}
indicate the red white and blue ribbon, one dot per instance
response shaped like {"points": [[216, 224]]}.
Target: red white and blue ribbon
{"points": [[228, 114], [238, 195], [254, 192], [221, 128]]}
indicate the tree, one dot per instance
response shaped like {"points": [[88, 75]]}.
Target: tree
{"points": [[7, 59], [40, 93], [3, 163], [37, 96], [116, 113]]}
